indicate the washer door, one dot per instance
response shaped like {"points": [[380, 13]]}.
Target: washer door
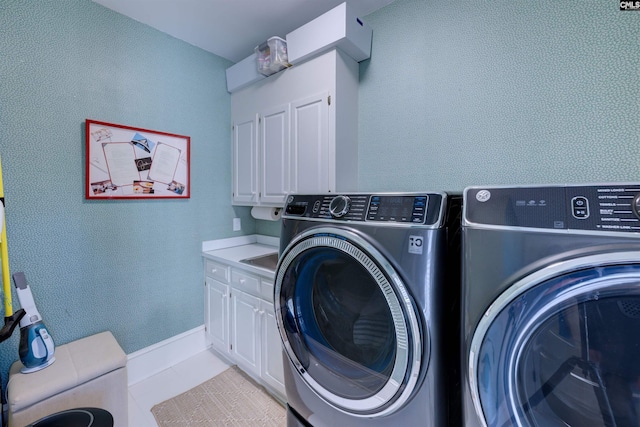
{"points": [[562, 347], [347, 322]]}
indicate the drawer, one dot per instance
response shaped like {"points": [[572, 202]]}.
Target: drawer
{"points": [[217, 270], [266, 290], [245, 282]]}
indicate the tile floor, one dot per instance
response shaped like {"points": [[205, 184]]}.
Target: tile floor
{"points": [[168, 383]]}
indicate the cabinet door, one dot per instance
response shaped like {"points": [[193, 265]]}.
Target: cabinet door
{"points": [[245, 331], [274, 155], [217, 314], [310, 148], [272, 362], [245, 160]]}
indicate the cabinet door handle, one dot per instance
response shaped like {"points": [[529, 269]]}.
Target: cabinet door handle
{"points": [[255, 310], [213, 270], [261, 312], [241, 281]]}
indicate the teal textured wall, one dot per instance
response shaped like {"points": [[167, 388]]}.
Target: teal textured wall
{"points": [[458, 93], [132, 267], [268, 228]]}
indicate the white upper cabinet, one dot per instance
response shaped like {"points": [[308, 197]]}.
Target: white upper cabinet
{"points": [[274, 165], [310, 165], [245, 157], [296, 132]]}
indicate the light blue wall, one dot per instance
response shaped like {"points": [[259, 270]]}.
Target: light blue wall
{"points": [[268, 228], [132, 267], [458, 93]]}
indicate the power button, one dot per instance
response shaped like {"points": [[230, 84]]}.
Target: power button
{"points": [[580, 207]]}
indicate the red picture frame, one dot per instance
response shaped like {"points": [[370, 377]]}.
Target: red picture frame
{"points": [[124, 162]]}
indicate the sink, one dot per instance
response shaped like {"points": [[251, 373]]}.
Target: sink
{"points": [[268, 261]]}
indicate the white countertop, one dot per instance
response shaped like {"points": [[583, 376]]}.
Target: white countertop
{"points": [[231, 251]]}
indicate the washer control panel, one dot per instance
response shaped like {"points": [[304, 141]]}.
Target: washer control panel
{"points": [[590, 207], [409, 208], [606, 208]]}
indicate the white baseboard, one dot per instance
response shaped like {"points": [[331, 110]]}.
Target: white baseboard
{"points": [[160, 356]]}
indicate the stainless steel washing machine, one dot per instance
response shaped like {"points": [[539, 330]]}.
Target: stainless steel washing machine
{"points": [[551, 306], [366, 300]]}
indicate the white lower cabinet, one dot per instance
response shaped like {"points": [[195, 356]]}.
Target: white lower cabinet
{"points": [[272, 362], [217, 314], [245, 331], [240, 323]]}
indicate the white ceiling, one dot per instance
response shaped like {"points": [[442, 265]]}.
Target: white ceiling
{"points": [[231, 28]]}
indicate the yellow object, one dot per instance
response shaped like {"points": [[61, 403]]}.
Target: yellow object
{"points": [[4, 254]]}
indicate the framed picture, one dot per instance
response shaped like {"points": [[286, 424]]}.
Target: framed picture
{"points": [[124, 162]]}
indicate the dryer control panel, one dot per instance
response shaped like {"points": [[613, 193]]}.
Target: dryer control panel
{"points": [[604, 207], [406, 208]]}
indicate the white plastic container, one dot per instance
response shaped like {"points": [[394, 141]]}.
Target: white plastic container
{"points": [[271, 56], [339, 27]]}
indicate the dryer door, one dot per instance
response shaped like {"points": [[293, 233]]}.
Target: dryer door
{"points": [[562, 347], [348, 323]]}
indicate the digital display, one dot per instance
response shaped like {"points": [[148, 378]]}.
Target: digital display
{"points": [[398, 208], [395, 208]]}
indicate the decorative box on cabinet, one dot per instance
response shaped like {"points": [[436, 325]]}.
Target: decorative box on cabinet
{"points": [[243, 73], [339, 27], [296, 132]]}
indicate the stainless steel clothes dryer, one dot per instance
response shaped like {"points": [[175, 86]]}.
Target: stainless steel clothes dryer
{"points": [[363, 299], [551, 313]]}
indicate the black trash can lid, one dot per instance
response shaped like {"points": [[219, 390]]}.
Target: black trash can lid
{"points": [[79, 417]]}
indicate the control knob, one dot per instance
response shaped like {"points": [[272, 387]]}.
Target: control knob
{"points": [[636, 205], [339, 206]]}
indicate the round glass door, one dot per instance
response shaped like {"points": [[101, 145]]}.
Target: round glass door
{"points": [[347, 322], [564, 351]]}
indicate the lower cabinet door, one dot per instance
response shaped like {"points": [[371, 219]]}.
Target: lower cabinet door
{"points": [[272, 362], [245, 331], [217, 314]]}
